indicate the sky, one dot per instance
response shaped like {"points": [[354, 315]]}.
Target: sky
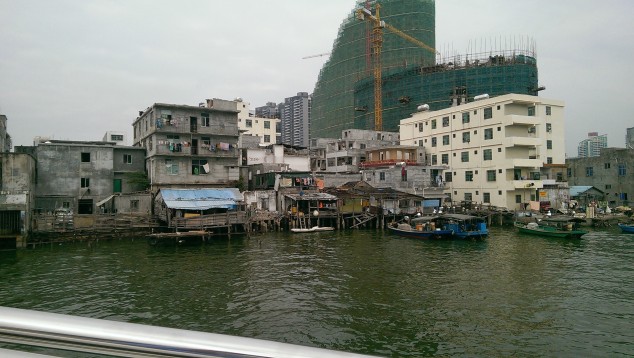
{"points": [[75, 69]]}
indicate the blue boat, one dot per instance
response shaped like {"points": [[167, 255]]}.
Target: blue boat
{"points": [[627, 228], [464, 226]]}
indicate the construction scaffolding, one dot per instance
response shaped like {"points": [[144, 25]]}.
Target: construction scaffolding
{"points": [[333, 108]]}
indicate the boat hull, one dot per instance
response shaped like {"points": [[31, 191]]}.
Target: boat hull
{"points": [[312, 229], [627, 228], [550, 231], [427, 234]]}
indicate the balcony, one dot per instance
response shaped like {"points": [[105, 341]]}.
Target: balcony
{"points": [[528, 184], [186, 151], [516, 120], [527, 163], [521, 142]]}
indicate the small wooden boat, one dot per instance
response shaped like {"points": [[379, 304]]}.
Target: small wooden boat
{"points": [[627, 228], [562, 227], [312, 229], [421, 228]]}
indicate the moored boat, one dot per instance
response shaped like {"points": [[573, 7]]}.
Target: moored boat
{"points": [[561, 227], [464, 226], [312, 229], [627, 228], [421, 228]]}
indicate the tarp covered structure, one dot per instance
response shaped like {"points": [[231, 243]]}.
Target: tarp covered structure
{"points": [[200, 199]]}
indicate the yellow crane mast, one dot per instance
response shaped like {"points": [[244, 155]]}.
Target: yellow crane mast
{"points": [[377, 45]]}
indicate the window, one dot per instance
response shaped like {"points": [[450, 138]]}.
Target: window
{"points": [[433, 124], [434, 159], [488, 154], [116, 137], [622, 170], [85, 157], [84, 206], [127, 159], [531, 111], [448, 177], [85, 182], [171, 167], [465, 117], [445, 139], [134, 205], [488, 113], [267, 138], [491, 175], [589, 171], [468, 197], [548, 110], [569, 172], [486, 198], [549, 160], [518, 198], [382, 176], [606, 166], [433, 142], [549, 144], [267, 124], [198, 166], [466, 137], [204, 119], [445, 121], [420, 127], [464, 157], [549, 127], [468, 175], [608, 186], [249, 123], [445, 159], [488, 133]]}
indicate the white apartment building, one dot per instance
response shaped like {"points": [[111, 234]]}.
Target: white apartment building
{"points": [[248, 124], [499, 150]]}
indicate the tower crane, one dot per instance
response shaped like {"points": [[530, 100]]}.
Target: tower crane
{"points": [[377, 45]]}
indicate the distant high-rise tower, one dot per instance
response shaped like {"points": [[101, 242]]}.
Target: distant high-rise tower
{"points": [[295, 119], [271, 110], [592, 146], [629, 138]]}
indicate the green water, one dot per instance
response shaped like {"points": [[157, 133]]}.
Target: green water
{"points": [[358, 291]]}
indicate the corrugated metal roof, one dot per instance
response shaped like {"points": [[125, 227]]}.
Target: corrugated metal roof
{"points": [[576, 190], [201, 199]]}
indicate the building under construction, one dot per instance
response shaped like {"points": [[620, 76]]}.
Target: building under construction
{"points": [[410, 75]]}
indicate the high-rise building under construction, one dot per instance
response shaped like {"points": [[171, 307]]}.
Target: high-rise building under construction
{"points": [[411, 75]]}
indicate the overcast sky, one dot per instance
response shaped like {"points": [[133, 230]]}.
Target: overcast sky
{"points": [[76, 69]]}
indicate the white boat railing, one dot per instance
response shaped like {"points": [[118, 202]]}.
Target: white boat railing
{"points": [[122, 339]]}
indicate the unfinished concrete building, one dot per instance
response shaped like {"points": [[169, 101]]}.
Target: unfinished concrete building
{"points": [[17, 186]]}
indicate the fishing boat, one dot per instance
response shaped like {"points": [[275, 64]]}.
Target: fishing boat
{"points": [[421, 228], [298, 230], [464, 226], [561, 227], [627, 228]]}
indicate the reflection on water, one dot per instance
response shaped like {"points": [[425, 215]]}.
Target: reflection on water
{"points": [[360, 291]]}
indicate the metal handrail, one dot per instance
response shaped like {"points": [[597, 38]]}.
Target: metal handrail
{"points": [[122, 339]]}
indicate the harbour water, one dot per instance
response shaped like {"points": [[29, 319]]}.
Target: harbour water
{"points": [[358, 291]]}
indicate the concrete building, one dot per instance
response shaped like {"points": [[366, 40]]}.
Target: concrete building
{"points": [[77, 175], [5, 138], [629, 138], [295, 120], [499, 150], [591, 147], [17, 198], [346, 153], [612, 172], [189, 145], [119, 138], [263, 128]]}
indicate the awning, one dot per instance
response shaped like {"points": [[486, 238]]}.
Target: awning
{"points": [[100, 203]]}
